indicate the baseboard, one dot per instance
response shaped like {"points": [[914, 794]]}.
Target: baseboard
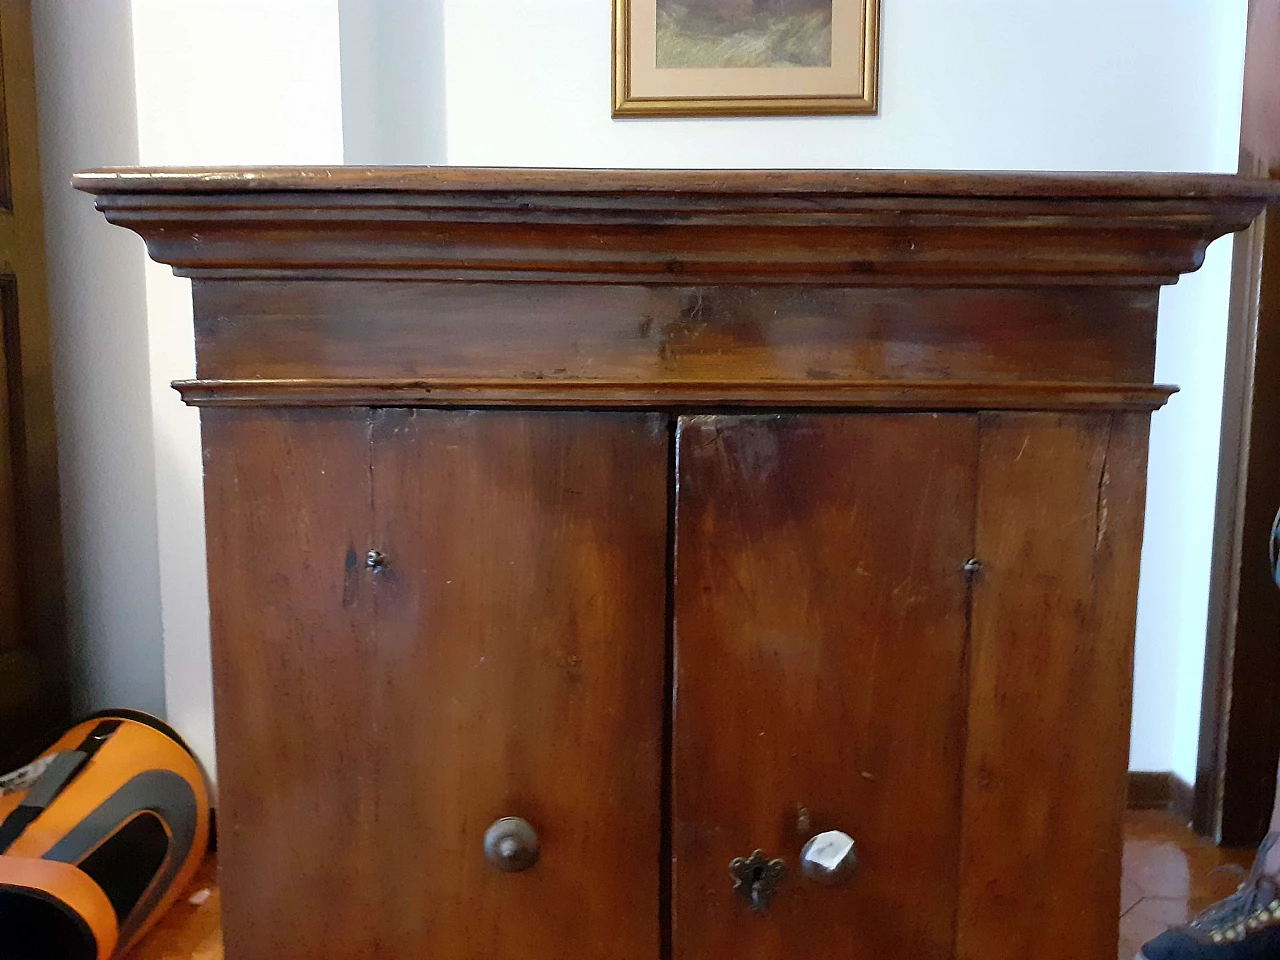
{"points": [[1162, 790]]}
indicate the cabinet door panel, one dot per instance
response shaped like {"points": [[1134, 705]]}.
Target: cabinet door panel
{"points": [[820, 608], [287, 506], [506, 658], [1059, 531], [519, 665]]}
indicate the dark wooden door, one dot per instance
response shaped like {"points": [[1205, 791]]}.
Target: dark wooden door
{"points": [[820, 628], [1235, 786], [504, 656], [34, 698], [10, 589]]}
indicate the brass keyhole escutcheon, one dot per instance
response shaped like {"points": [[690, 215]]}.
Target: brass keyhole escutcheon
{"points": [[756, 879]]}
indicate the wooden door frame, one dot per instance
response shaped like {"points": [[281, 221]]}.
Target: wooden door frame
{"points": [[1240, 713], [41, 668]]}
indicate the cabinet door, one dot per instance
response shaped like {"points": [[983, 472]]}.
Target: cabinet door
{"points": [[820, 621], [501, 656], [520, 666], [1059, 531]]}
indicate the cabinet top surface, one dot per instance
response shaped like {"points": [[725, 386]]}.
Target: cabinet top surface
{"points": [[867, 183]]}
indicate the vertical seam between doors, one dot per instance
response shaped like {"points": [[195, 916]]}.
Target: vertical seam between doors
{"points": [[666, 846], [372, 542], [966, 682]]}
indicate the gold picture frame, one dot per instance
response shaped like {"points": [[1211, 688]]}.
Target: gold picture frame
{"points": [[847, 83]]}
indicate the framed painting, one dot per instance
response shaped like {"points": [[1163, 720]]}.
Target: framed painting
{"points": [[693, 58]]}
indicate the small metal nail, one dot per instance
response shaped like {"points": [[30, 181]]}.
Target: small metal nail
{"points": [[375, 559]]}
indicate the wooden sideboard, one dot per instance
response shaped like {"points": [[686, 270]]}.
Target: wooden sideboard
{"points": [[680, 515]]}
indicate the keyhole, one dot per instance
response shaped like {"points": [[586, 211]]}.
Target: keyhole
{"points": [[755, 878]]}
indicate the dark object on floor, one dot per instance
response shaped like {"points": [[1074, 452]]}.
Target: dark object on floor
{"points": [[1243, 926], [98, 836]]}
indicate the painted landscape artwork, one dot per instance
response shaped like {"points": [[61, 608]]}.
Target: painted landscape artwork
{"points": [[745, 58], [743, 33]]}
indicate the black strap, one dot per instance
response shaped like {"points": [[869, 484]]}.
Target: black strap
{"points": [[60, 772]]}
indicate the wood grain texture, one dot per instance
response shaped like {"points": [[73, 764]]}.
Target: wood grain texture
{"points": [[670, 335], [1059, 530], [289, 518], [679, 227], [507, 660], [1169, 876], [884, 394], [520, 663], [819, 635], [764, 186]]}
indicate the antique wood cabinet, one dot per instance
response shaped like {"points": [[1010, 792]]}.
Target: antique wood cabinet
{"points": [[680, 515]]}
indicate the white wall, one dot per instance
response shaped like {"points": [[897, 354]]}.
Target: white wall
{"points": [[1030, 84], [219, 82], [85, 88], [1173, 594], [392, 81], [154, 82]]}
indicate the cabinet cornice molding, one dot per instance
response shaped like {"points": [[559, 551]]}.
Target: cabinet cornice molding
{"points": [[841, 228]]}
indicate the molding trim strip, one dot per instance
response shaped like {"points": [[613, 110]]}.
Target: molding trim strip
{"points": [[1163, 790], [884, 394]]}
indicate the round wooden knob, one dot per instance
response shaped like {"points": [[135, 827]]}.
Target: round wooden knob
{"points": [[511, 845], [829, 858]]}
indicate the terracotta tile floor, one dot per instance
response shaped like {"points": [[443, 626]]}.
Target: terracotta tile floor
{"points": [[1168, 875], [187, 931]]}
